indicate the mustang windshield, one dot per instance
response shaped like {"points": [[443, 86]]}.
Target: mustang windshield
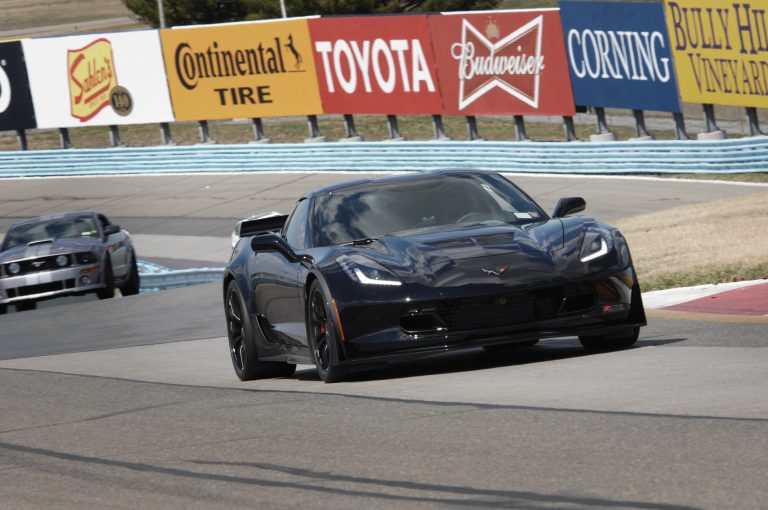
{"points": [[73, 227], [373, 210]]}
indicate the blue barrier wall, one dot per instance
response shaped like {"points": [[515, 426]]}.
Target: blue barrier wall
{"points": [[723, 156]]}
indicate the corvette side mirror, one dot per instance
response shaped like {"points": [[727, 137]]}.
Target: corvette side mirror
{"points": [[275, 243], [569, 205]]}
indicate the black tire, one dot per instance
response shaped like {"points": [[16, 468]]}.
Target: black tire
{"points": [[132, 285], [3, 309], [610, 342], [25, 306], [511, 345], [321, 336], [242, 348], [108, 290]]}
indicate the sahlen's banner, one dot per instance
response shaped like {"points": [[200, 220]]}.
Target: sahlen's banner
{"points": [[16, 109], [619, 55], [241, 70], [502, 62], [98, 79], [381, 64], [721, 51]]}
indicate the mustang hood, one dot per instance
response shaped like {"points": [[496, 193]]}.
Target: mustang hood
{"points": [[508, 255], [45, 249]]}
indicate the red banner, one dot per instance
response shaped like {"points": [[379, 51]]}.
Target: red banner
{"points": [[375, 65], [502, 62]]}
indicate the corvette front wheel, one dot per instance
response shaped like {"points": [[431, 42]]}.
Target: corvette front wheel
{"points": [[321, 334]]}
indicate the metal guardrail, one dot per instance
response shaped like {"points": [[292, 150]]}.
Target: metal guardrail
{"points": [[154, 277], [721, 156]]}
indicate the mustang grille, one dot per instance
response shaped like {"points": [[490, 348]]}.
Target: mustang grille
{"points": [[503, 310], [38, 265], [40, 289]]}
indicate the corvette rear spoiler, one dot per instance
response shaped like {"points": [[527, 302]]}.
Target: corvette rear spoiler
{"points": [[262, 225]]}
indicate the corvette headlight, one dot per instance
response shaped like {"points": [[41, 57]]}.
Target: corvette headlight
{"points": [[14, 268], [595, 245], [366, 271]]}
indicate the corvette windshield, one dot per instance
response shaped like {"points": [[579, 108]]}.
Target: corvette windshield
{"points": [[361, 214], [73, 227]]}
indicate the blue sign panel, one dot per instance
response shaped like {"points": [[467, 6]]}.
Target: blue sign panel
{"points": [[619, 55]]}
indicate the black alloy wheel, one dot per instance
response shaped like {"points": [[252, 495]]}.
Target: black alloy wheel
{"points": [[131, 286], [242, 348], [108, 290], [321, 333]]}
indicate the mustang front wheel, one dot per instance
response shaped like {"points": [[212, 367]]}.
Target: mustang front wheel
{"points": [[321, 333], [242, 349]]}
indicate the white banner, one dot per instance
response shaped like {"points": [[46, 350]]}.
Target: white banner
{"points": [[98, 79]]}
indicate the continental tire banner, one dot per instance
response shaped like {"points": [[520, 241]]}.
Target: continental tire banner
{"points": [[721, 51], [502, 62], [619, 55], [16, 110], [98, 79], [260, 69], [380, 64]]}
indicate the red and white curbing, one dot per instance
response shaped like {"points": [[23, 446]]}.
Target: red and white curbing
{"points": [[736, 298]]}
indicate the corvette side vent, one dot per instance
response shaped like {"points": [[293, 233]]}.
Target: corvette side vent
{"points": [[495, 239]]}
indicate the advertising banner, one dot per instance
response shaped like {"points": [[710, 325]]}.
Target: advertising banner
{"points": [[381, 64], [619, 55], [16, 110], [502, 62], [241, 70], [720, 51], [98, 79]]}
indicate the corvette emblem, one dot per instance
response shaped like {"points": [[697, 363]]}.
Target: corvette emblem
{"points": [[499, 271], [512, 64]]}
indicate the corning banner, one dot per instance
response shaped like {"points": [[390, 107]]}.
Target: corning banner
{"points": [[720, 51], [502, 62], [377, 64], [98, 79], [16, 110], [241, 70], [619, 55]]}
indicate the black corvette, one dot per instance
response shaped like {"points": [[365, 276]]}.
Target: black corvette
{"points": [[368, 272]]}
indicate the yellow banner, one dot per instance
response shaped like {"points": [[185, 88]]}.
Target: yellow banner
{"points": [[720, 49], [261, 69]]}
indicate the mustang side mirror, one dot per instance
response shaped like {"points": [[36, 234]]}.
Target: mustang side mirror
{"points": [[569, 205], [111, 229], [274, 242]]}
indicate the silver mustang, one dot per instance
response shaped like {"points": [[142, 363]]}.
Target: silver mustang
{"points": [[71, 253]]}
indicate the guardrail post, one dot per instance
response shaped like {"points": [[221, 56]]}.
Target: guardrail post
{"points": [[349, 128], [165, 134], [472, 132], [66, 143], [603, 133], [438, 130], [520, 129], [21, 137], [570, 129], [114, 137], [205, 133], [712, 132], [394, 131], [314, 130], [680, 125], [641, 133], [258, 132], [754, 122]]}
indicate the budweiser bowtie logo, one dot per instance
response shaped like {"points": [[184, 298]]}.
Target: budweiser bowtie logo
{"points": [[512, 64]]}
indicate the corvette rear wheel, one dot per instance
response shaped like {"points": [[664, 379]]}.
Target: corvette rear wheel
{"points": [[610, 342], [321, 333], [242, 348]]}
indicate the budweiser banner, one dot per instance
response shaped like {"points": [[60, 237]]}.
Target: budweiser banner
{"points": [[16, 110], [241, 70], [720, 49], [381, 64], [100, 79], [502, 62]]}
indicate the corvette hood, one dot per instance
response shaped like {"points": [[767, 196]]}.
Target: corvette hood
{"points": [[45, 249], [508, 255]]}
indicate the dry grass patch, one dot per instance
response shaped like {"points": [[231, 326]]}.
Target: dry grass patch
{"points": [[716, 242]]}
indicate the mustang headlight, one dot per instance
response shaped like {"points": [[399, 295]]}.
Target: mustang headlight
{"points": [[595, 245], [62, 260], [13, 268], [364, 270]]}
